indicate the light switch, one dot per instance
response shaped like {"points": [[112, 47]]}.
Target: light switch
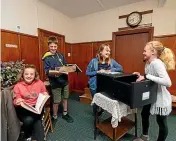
{"points": [[69, 54]]}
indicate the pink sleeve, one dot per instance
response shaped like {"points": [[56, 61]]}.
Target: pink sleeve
{"points": [[43, 88], [17, 94]]}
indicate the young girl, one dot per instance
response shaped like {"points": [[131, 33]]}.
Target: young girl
{"points": [[102, 63], [27, 90], [158, 59]]}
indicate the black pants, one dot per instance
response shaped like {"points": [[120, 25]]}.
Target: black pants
{"points": [[93, 92], [161, 120], [32, 123]]}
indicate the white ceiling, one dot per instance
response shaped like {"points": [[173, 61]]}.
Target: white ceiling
{"points": [[77, 8]]}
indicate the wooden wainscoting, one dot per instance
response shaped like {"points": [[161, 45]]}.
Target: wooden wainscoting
{"points": [[81, 54], [170, 42], [68, 52], [27, 47], [30, 50], [10, 53]]}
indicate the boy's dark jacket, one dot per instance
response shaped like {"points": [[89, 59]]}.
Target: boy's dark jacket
{"points": [[50, 63]]}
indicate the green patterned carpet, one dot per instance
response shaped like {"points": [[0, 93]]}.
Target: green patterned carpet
{"points": [[82, 127]]}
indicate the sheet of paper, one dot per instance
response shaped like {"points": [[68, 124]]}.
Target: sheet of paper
{"points": [[145, 95], [40, 100], [110, 72]]}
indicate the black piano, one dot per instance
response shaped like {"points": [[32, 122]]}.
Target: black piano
{"points": [[123, 87]]}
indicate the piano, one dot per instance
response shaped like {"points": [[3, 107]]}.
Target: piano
{"points": [[123, 87]]}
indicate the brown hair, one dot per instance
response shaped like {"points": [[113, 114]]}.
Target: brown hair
{"points": [[52, 39], [100, 58], [165, 54], [29, 66]]}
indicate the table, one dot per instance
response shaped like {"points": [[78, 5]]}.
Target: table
{"points": [[118, 125]]}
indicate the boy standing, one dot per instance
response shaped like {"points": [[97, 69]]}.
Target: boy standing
{"points": [[59, 82]]}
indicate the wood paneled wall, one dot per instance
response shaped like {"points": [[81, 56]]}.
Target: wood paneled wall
{"points": [[68, 49], [170, 42], [7, 53], [27, 47], [30, 50], [80, 54]]}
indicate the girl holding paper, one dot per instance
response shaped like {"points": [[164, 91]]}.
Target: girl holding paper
{"points": [[27, 90]]}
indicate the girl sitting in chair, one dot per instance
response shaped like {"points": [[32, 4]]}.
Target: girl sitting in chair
{"points": [[27, 90]]}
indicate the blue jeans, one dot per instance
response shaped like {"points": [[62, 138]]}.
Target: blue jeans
{"points": [[93, 92]]}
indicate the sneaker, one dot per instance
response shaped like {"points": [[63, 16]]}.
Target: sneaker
{"points": [[142, 138], [28, 139], [68, 118]]}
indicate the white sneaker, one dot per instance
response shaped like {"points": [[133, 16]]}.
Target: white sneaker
{"points": [[29, 139], [142, 138]]}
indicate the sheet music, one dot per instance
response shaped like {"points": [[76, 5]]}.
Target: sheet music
{"points": [[77, 68]]}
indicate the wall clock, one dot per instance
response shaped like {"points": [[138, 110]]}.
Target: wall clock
{"points": [[134, 19]]}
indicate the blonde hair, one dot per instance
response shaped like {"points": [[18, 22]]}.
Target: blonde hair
{"points": [[29, 66], [100, 58], [165, 54]]}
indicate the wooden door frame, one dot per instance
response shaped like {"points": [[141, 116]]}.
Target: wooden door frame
{"points": [[40, 37], [149, 30]]}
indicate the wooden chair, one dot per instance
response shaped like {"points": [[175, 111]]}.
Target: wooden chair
{"points": [[47, 123]]}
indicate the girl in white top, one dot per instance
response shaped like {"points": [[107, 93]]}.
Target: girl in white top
{"points": [[158, 59]]}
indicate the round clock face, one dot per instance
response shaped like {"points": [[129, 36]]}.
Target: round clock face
{"points": [[134, 19]]}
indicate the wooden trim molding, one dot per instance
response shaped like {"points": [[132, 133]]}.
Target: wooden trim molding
{"points": [[132, 31], [14, 32], [143, 13], [92, 42], [50, 32], [77, 91], [167, 35], [140, 26]]}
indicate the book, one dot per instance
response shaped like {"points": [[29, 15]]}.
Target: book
{"points": [[77, 68], [68, 68], [41, 100]]}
